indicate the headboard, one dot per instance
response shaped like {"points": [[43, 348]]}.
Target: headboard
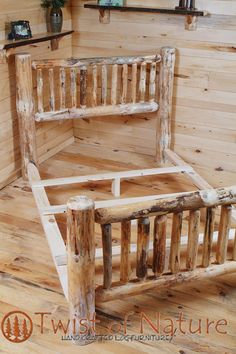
{"points": [[60, 89]]}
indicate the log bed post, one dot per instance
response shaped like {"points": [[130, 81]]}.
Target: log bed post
{"points": [[25, 110], [166, 77], [81, 267]]}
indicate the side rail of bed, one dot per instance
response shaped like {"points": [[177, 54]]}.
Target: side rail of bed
{"points": [[197, 261]]}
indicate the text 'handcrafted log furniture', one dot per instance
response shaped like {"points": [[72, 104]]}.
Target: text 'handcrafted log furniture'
{"points": [[120, 86]]}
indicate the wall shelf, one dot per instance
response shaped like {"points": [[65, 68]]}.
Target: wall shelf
{"points": [[7, 47], [191, 16]]}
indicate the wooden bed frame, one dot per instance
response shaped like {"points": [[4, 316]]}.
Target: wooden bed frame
{"points": [[151, 85]]}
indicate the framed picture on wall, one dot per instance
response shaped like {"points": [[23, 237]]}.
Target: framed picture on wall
{"points": [[20, 30], [111, 2]]}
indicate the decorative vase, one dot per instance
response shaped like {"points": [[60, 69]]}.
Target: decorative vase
{"points": [[56, 20], [48, 21]]}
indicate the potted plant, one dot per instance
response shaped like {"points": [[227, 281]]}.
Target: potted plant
{"points": [[56, 14]]}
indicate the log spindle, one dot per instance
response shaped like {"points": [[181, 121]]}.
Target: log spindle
{"points": [[83, 87], [152, 82], [40, 90], [166, 76], [224, 228], [62, 88], [125, 266], [25, 110], [193, 236], [124, 83], [142, 248], [81, 264], [114, 84], [134, 82], [95, 85], [104, 85], [159, 245], [51, 90], [107, 255], [234, 248], [142, 83], [208, 237], [175, 242], [73, 87]]}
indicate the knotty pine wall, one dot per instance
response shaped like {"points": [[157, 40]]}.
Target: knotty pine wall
{"points": [[204, 112], [50, 137]]}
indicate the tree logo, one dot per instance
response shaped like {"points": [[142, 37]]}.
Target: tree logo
{"points": [[17, 326]]}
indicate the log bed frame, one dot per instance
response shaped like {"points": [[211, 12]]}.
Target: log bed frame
{"points": [[151, 85]]}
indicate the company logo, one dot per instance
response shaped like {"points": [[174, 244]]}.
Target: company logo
{"points": [[17, 326]]}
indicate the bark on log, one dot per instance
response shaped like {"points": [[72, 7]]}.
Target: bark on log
{"points": [[152, 82], [40, 90], [107, 255], [52, 90], [83, 87], [165, 281], [114, 84], [224, 227], [159, 245], [81, 264], [188, 201], [134, 83], [73, 62], [166, 81], [125, 266], [90, 112], [193, 235], [142, 248], [62, 88], [175, 242], [95, 85], [25, 110], [124, 84], [208, 237], [73, 88]]}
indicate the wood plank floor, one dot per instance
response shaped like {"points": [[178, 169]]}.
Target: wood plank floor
{"points": [[29, 283]]}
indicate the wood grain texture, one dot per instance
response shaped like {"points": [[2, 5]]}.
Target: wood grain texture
{"points": [[159, 245], [204, 87], [107, 255], [224, 226], [31, 281], [208, 236], [193, 235], [49, 136], [142, 248], [25, 109], [164, 114], [125, 266], [81, 264], [174, 263]]}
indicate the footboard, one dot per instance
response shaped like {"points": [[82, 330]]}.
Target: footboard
{"points": [[160, 261]]}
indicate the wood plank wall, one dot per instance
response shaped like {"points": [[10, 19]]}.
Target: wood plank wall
{"points": [[204, 119], [50, 136]]}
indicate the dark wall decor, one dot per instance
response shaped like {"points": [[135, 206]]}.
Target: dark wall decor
{"points": [[20, 30], [186, 8]]}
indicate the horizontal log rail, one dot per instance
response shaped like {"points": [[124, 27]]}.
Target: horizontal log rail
{"points": [[73, 62], [135, 287], [90, 112], [189, 201]]}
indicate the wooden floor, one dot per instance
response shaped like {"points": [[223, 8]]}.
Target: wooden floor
{"points": [[29, 281]]}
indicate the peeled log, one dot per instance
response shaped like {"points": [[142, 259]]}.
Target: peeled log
{"points": [[188, 201]]}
